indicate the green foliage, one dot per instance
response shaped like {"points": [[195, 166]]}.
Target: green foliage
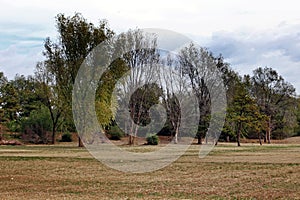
{"points": [[76, 38], [66, 137], [106, 103], [275, 98], [152, 139], [36, 127], [115, 133], [142, 100], [18, 98], [243, 112], [13, 125], [297, 112]]}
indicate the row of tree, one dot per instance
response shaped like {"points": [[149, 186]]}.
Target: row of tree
{"points": [[262, 105]]}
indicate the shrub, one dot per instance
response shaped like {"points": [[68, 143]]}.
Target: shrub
{"points": [[152, 139], [36, 128], [66, 137], [115, 133]]}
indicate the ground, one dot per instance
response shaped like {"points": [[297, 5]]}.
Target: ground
{"points": [[64, 171]]}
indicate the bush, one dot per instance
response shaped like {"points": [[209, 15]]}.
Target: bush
{"points": [[37, 127], [66, 137], [152, 139], [115, 133]]}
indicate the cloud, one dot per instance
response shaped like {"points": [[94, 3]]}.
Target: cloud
{"points": [[21, 47], [277, 48], [19, 55]]}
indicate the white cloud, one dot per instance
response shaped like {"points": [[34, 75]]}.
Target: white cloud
{"points": [[13, 62], [277, 48]]}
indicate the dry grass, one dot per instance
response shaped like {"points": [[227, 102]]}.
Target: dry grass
{"points": [[67, 172]]}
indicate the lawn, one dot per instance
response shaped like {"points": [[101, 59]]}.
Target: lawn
{"points": [[65, 171]]}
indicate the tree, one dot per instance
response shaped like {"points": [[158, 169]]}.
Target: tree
{"points": [[297, 129], [232, 82], [3, 82], [243, 111], [77, 38], [140, 56], [200, 66], [26, 92], [104, 94], [37, 126], [18, 99], [273, 95], [50, 93], [139, 106], [175, 85], [10, 104]]}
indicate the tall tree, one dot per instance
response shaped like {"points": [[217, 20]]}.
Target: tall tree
{"points": [[141, 57], [3, 82], [273, 95], [243, 111], [297, 128], [175, 85], [232, 82], [201, 67], [77, 37], [50, 93]]}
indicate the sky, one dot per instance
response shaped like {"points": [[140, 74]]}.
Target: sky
{"points": [[249, 34]]}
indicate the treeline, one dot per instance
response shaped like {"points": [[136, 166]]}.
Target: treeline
{"points": [[259, 106]]}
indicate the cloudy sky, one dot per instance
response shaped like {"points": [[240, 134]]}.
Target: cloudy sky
{"points": [[248, 33]]}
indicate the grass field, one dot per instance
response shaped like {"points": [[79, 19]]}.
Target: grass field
{"points": [[65, 171]]}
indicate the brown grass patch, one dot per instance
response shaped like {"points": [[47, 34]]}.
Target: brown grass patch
{"points": [[229, 172]]}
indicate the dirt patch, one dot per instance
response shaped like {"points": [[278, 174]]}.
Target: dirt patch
{"points": [[10, 142], [293, 140]]}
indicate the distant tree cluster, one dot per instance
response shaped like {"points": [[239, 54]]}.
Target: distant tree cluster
{"points": [[260, 106]]}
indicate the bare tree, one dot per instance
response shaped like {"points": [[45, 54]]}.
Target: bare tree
{"points": [[200, 67], [175, 87], [141, 58]]}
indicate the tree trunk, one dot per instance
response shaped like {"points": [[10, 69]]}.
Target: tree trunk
{"points": [[239, 135], [53, 135], [135, 135], [1, 134], [131, 140], [259, 137], [176, 136], [199, 138], [268, 135], [80, 144]]}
